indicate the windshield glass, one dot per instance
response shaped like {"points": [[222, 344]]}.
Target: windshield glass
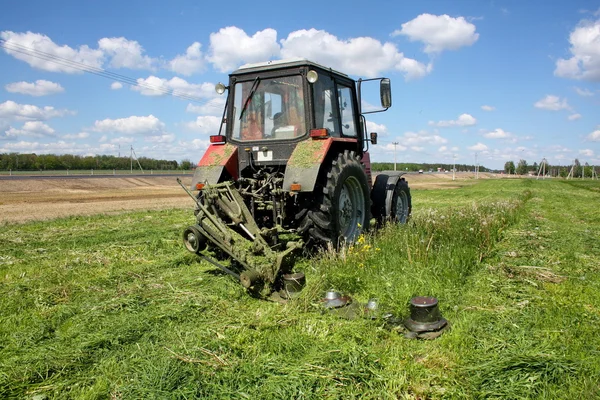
{"points": [[268, 109]]}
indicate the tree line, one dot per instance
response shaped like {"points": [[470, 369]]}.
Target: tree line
{"points": [[576, 170], [53, 162], [414, 167]]}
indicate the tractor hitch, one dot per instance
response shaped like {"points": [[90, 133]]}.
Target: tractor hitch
{"points": [[224, 223]]}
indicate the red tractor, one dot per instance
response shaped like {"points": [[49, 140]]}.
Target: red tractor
{"points": [[289, 170]]}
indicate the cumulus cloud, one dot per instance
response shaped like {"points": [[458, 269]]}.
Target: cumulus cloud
{"points": [[149, 125], [391, 147], [165, 138], [463, 120], [488, 108], [585, 53], [13, 111], [379, 128], [573, 117], [594, 136], [478, 147], [211, 107], [363, 56], [190, 62], [31, 129], [126, 53], [439, 32], [587, 152], [38, 88], [204, 124], [155, 86], [422, 137], [116, 85], [26, 46], [500, 134], [80, 135], [584, 92], [231, 46], [552, 103]]}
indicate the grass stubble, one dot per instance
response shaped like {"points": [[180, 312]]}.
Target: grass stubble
{"points": [[114, 307]]}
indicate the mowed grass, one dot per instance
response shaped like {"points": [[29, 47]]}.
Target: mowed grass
{"points": [[114, 307]]}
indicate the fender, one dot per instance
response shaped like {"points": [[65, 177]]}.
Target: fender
{"points": [[305, 163], [218, 157]]}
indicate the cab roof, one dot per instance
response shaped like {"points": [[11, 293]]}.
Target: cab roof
{"points": [[277, 64]]}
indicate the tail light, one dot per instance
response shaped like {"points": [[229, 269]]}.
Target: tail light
{"points": [[217, 139], [319, 133]]}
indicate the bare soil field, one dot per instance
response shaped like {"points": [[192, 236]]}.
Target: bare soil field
{"points": [[43, 199]]}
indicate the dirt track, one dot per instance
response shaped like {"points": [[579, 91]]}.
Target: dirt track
{"points": [[41, 199]]}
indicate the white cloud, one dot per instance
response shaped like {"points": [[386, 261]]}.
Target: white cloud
{"points": [[478, 147], [155, 86], [165, 138], [488, 108], [417, 148], [121, 140], [116, 85], [594, 136], [25, 47], [390, 147], [205, 124], [584, 92], [126, 53], [32, 129], [231, 47], [422, 137], [585, 50], [439, 32], [381, 129], [38, 88], [149, 125], [80, 135], [443, 149], [573, 117], [587, 152], [498, 134], [552, 103], [14, 111], [190, 62], [463, 120], [211, 107], [356, 56]]}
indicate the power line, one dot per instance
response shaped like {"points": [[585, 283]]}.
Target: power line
{"points": [[96, 71]]}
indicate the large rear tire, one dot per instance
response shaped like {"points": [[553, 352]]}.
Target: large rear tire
{"points": [[341, 210]]}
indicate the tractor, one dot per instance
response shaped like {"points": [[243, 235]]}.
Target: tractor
{"points": [[289, 172]]}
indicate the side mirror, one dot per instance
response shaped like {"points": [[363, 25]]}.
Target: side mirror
{"points": [[373, 137], [385, 92]]}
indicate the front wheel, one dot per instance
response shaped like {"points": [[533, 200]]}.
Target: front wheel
{"points": [[341, 212]]}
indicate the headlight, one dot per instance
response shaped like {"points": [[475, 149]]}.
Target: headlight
{"points": [[220, 88]]}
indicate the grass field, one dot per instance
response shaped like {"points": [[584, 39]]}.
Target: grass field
{"points": [[113, 307]]}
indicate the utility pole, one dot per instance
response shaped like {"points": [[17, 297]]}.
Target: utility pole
{"points": [[476, 167], [395, 144], [453, 166]]}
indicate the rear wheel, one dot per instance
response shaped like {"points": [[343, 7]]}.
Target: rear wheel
{"points": [[341, 211]]}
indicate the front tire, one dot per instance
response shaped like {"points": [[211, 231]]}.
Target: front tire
{"points": [[342, 211]]}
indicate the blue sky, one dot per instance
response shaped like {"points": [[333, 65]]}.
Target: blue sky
{"points": [[505, 80]]}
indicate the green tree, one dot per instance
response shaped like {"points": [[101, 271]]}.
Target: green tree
{"points": [[509, 167], [522, 167]]}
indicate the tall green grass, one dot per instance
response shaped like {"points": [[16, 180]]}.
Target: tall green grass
{"points": [[114, 307]]}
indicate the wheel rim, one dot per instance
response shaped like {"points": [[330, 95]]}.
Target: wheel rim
{"points": [[351, 211], [401, 212]]}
